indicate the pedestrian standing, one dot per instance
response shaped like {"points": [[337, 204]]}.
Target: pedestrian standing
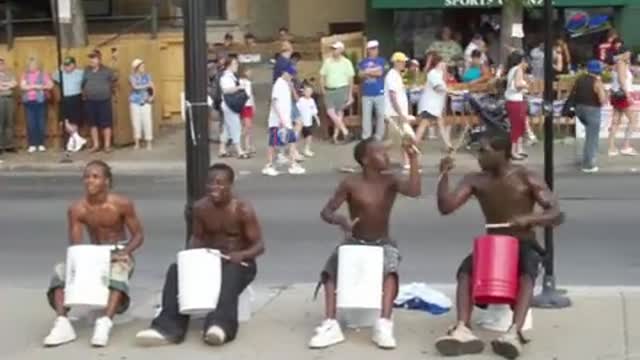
{"points": [[336, 79], [589, 96], [248, 112], [140, 101], [72, 105], [230, 85], [516, 105], [7, 108], [371, 70], [98, 87], [35, 85]]}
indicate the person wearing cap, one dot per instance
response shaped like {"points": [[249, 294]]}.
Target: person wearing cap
{"points": [[621, 102], [283, 60], [371, 71], [140, 101], [336, 84], [72, 105], [589, 96], [397, 99], [98, 86], [7, 107]]}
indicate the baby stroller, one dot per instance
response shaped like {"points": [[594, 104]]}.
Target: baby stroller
{"points": [[492, 113]]}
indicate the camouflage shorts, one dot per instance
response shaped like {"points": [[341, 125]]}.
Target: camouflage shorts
{"points": [[121, 271], [392, 257]]}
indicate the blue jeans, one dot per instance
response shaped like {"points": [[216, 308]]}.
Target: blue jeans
{"points": [[36, 122], [590, 117], [369, 103]]}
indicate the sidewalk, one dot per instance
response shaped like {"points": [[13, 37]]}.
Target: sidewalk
{"points": [[599, 326], [168, 156]]}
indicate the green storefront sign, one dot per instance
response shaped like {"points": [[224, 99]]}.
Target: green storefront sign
{"points": [[439, 4]]}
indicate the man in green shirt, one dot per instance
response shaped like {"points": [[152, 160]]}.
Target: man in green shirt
{"points": [[336, 81]]}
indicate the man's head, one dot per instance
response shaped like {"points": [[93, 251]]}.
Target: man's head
{"points": [[97, 177], [371, 154], [95, 58], [337, 48], [476, 57], [228, 39], [445, 34], [493, 150], [69, 63], [283, 33], [373, 48], [296, 57], [399, 61], [220, 183], [249, 39], [478, 40]]}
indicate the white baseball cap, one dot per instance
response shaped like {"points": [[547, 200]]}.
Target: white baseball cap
{"points": [[372, 44], [338, 45], [136, 62]]}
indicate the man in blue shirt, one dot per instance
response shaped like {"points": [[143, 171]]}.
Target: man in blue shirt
{"points": [[371, 71]]}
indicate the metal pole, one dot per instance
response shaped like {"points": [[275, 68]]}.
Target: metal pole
{"points": [[154, 19], [8, 14], [56, 20], [550, 297], [197, 111]]}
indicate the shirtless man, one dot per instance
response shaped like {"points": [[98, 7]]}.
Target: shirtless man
{"points": [[507, 194], [105, 216], [370, 197], [223, 222]]}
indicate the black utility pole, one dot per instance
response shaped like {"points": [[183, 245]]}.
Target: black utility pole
{"points": [[197, 114], [550, 297], [66, 157]]}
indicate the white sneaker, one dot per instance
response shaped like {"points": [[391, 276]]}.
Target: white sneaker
{"points": [[269, 170], [594, 169], [215, 336], [42, 148], [32, 149], [101, 332], [151, 337], [629, 152], [61, 333], [308, 153], [383, 334], [296, 169], [80, 142], [327, 334]]}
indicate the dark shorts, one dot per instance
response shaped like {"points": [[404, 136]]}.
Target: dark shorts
{"points": [[275, 139], [528, 262], [307, 131], [73, 109], [392, 258], [425, 115], [99, 113]]}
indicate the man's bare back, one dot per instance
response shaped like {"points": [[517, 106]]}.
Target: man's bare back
{"points": [[105, 222]]}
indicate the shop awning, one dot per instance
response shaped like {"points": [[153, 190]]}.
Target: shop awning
{"points": [[439, 4]]}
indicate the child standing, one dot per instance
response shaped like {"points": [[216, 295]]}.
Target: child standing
{"points": [[308, 113], [248, 112], [281, 131]]}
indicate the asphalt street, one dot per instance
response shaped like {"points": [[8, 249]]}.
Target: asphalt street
{"points": [[598, 244]]}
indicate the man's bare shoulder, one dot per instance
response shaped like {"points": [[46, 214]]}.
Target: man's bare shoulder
{"points": [[77, 207], [244, 208], [201, 204], [120, 201]]}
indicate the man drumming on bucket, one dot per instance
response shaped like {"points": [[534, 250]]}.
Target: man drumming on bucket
{"points": [[223, 222], [507, 195], [105, 216], [370, 197]]}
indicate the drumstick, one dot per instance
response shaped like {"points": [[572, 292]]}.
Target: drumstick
{"points": [[402, 133], [497, 226], [227, 257]]}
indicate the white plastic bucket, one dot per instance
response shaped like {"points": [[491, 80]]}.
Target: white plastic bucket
{"points": [[360, 276], [500, 317], [88, 268], [358, 318], [199, 280]]}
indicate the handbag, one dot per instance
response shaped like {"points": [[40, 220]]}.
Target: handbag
{"points": [[618, 95], [569, 107], [236, 101]]}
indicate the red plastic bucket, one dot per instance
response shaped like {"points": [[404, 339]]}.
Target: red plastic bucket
{"points": [[495, 269]]}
